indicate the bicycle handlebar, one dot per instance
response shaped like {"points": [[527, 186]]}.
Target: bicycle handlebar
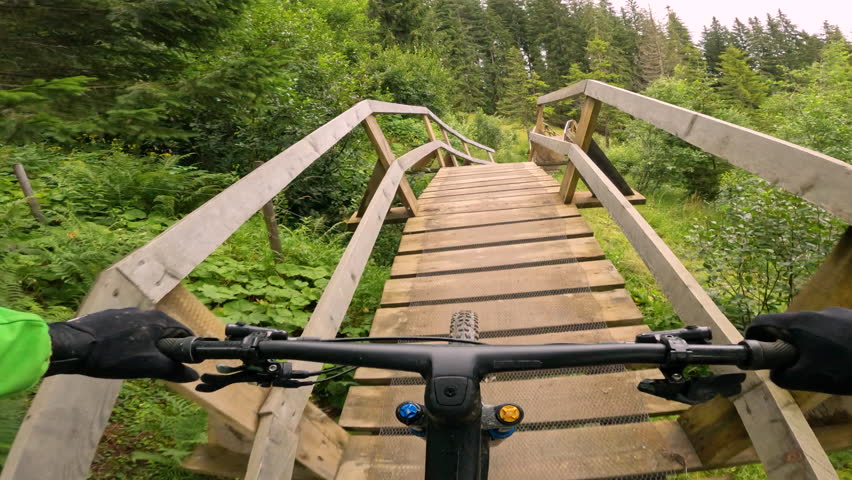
{"points": [[481, 359]]}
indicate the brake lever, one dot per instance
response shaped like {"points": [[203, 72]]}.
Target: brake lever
{"points": [[696, 390], [264, 373]]}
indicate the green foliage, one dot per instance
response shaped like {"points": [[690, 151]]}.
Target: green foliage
{"points": [[738, 83], [150, 431], [814, 111], [761, 248], [413, 78], [518, 89], [658, 158]]}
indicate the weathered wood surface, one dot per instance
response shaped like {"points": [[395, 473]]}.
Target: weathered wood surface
{"points": [[161, 264], [431, 135], [497, 257], [385, 159], [69, 413], [612, 308], [575, 398], [549, 228], [816, 177], [563, 93], [484, 205], [473, 180], [27, 190], [627, 333], [465, 220], [276, 442], [433, 201], [479, 169], [453, 159], [585, 129], [320, 450], [774, 422], [455, 194], [596, 274], [395, 215], [587, 200], [507, 182], [572, 454]]}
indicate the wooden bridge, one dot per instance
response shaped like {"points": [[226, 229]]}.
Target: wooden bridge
{"points": [[506, 241]]}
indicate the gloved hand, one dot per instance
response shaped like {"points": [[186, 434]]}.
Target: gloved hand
{"points": [[117, 344], [824, 342]]}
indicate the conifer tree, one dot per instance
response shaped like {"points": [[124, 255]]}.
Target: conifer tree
{"points": [[679, 46], [517, 89], [398, 18], [714, 41], [651, 57], [739, 83]]}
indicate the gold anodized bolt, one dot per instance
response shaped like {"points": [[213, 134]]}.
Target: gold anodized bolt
{"points": [[509, 413]]}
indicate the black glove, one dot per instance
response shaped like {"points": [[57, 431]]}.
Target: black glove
{"points": [[117, 344], [824, 342]]}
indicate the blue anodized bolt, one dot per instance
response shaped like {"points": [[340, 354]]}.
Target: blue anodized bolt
{"points": [[408, 411]]}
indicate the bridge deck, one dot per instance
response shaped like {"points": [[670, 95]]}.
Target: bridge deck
{"points": [[497, 240]]}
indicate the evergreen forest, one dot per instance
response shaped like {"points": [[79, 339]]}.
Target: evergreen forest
{"points": [[127, 115]]}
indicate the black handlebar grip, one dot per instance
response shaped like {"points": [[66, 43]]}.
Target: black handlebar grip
{"points": [[178, 349], [770, 355]]}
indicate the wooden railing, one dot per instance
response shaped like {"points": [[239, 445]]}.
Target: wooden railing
{"points": [[774, 422], [69, 413]]}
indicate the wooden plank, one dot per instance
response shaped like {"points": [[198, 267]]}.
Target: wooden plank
{"points": [[472, 180], [321, 446], [572, 454], [431, 134], [586, 200], [507, 182], [161, 264], [539, 128], [453, 159], [475, 237], [434, 201], [484, 169], [496, 257], [485, 205], [611, 308], [386, 158], [27, 189], [596, 274], [563, 93], [276, 441], [773, 420], [585, 129], [395, 215], [591, 397], [374, 376], [830, 286], [69, 413], [377, 106], [488, 188], [468, 220], [818, 178]]}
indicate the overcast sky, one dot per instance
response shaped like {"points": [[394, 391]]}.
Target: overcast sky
{"points": [[808, 15]]}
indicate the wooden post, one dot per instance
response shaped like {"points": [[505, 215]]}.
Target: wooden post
{"points": [[272, 233], [715, 429], [386, 158], [447, 141], [27, 188], [467, 150], [491, 157], [431, 134], [585, 128], [539, 128], [779, 431], [830, 286]]}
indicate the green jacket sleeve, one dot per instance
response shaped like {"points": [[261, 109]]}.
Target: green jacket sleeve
{"points": [[24, 350]]}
